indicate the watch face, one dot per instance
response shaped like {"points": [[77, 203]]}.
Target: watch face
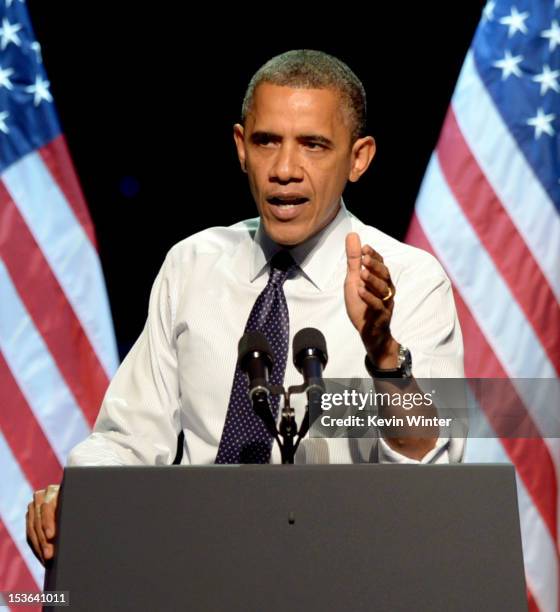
{"points": [[407, 364]]}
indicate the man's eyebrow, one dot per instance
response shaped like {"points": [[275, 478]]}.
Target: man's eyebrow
{"points": [[315, 139], [264, 136], [259, 137]]}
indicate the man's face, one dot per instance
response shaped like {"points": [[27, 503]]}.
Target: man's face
{"points": [[296, 149]]}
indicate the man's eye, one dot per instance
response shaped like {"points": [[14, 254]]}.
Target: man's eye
{"points": [[313, 146]]}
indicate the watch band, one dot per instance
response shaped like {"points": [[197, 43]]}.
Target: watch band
{"points": [[403, 369]]}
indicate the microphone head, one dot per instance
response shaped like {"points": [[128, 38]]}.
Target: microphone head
{"points": [[308, 339], [253, 342]]}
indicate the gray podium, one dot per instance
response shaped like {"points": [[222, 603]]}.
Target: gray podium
{"points": [[282, 538]]}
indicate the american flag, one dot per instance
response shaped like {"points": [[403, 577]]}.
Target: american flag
{"points": [[57, 346], [488, 209]]}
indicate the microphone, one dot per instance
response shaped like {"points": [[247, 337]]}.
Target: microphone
{"points": [[254, 357], [310, 357]]}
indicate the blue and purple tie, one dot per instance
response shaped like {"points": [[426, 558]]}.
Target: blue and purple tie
{"points": [[244, 437]]}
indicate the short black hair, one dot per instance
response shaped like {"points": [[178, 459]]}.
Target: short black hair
{"points": [[308, 69]]}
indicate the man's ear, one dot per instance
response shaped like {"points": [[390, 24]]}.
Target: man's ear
{"points": [[363, 151], [238, 132]]}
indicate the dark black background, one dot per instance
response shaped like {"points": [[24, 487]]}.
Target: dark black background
{"points": [[147, 94]]}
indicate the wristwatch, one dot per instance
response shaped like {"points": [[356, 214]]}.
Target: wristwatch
{"points": [[403, 369]]}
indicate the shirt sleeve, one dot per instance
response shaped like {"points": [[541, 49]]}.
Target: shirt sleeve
{"points": [[425, 321], [139, 420]]}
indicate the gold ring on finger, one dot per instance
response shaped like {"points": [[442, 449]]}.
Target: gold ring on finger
{"points": [[389, 295]]}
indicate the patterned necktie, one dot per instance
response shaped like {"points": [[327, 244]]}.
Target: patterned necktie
{"points": [[245, 438]]}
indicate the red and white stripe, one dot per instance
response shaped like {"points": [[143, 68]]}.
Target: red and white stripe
{"points": [[57, 346], [484, 214]]}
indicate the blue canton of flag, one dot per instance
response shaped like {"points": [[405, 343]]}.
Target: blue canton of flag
{"points": [[517, 53], [27, 116]]}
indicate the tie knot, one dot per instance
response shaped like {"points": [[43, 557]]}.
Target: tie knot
{"points": [[280, 267]]}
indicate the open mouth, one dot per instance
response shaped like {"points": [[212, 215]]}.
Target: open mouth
{"points": [[286, 207], [287, 201]]}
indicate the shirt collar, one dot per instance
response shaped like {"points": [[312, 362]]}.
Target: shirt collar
{"points": [[316, 257]]}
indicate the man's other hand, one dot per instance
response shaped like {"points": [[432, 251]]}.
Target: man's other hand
{"points": [[40, 522], [368, 295]]}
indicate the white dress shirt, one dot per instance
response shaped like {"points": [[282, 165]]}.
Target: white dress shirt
{"points": [[179, 373]]}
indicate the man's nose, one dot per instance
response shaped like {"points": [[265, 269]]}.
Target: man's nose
{"points": [[287, 165]]}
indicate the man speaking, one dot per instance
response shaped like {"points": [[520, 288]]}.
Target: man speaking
{"points": [[385, 308]]}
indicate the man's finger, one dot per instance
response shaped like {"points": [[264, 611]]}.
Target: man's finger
{"points": [[38, 499], [367, 250], [370, 299], [382, 316], [48, 511], [353, 254], [376, 285], [375, 266], [47, 520], [31, 534], [52, 493]]}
